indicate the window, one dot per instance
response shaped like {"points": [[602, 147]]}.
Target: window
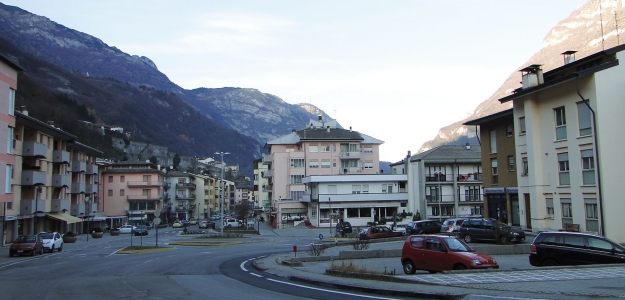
{"points": [[296, 179], [325, 148], [11, 102], [432, 194], [592, 216], [10, 140], [355, 188], [493, 141], [121, 192], [325, 164], [110, 193], [368, 165], [471, 193], [560, 123], [387, 188], [365, 188], [147, 178], [521, 125], [9, 205], [313, 164], [368, 150], [511, 163], [7, 179], [583, 117], [509, 130], [313, 148], [563, 168], [476, 210], [525, 166], [567, 212], [146, 192], [122, 178], [549, 203], [297, 163], [588, 167], [493, 164], [110, 178]]}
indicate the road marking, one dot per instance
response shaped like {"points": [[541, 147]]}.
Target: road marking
{"points": [[327, 291], [257, 275], [500, 297]]}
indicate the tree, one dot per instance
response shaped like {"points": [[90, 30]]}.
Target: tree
{"points": [[242, 209], [154, 160], [176, 161]]}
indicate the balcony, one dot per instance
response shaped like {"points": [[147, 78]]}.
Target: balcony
{"points": [[166, 185], [185, 185], [33, 178], [30, 206], [58, 205], [78, 210], [351, 170], [91, 188], [442, 199], [267, 173], [131, 198], [59, 180], [185, 197], [350, 154], [79, 166], [166, 197], [91, 169], [471, 198], [78, 187], [144, 183], [60, 156], [34, 149], [269, 188], [438, 178], [267, 159], [470, 177], [91, 207]]}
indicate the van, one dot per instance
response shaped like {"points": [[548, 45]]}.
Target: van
{"points": [[572, 248], [232, 223]]}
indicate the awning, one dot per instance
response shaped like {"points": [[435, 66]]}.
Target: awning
{"points": [[65, 217]]}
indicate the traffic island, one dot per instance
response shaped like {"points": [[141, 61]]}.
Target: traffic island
{"points": [[205, 243], [143, 249]]}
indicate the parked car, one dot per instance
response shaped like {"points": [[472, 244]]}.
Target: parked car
{"points": [[376, 232], [185, 223], [177, 224], [424, 226], [400, 228], [232, 223], [127, 229], [52, 241], [291, 218], [193, 221], [452, 225], [26, 244], [141, 230], [484, 230], [251, 223], [203, 224], [435, 253], [343, 228], [572, 248]]}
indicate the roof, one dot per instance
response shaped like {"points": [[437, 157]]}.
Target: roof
{"points": [[322, 134], [11, 63], [492, 117], [84, 149], [31, 122], [450, 153], [179, 174]]}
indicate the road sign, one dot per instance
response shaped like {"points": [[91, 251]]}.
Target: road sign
{"points": [[157, 212], [156, 221], [321, 236]]}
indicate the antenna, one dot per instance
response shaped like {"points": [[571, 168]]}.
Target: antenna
{"points": [[618, 42], [601, 20]]}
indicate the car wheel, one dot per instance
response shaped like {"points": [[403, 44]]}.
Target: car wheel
{"points": [[432, 272], [34, 252], [459, 267], [467, 238], [409, 267], [549, 263], [41, 251], [60, 248], [52, 249]]}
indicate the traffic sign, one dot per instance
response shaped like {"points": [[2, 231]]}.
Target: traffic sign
{"points": [[156, 221], [321, 236], [157, 212]]}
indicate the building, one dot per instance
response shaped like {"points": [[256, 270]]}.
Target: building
{"points": [[321, 149], [260, 195], [183, 195], [445, 182], [567, 123], [496, 135]]}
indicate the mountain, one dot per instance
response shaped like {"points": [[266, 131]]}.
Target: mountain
{"points": [[581, 32], [248, 111]]}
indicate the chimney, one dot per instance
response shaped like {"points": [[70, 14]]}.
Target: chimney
{"points": [[24, 110], [531, 76], [320, 117], [468, 146], [328, 128], [293, 130], [350, 129], [569, 56]]}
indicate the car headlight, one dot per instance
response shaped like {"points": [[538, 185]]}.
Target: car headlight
{"points": [[494, 261], [516, 233], [475, 262]]}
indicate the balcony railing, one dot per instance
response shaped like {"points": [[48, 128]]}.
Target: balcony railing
{"points": [[267, 159], [60, 180], [267, 173], [438, 178], [33, 177], [30, 206], [91, 188], [78, 187], [144, 183], [351, 170], [185, 197], [35, 149], [78, 210], [130, 198], [79, 166], [442, 199], [471, 198], [90, 207], [91, 169], [351, 154], [60, 156], [57, 205], [185, 185], [470, 177]]}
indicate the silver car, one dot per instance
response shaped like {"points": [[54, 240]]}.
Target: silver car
{"points": [[452, 225]]}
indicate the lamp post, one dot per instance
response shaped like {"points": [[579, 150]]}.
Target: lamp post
{"points": [[439, 196], [87, 201], [221, 194], [330, 203]]}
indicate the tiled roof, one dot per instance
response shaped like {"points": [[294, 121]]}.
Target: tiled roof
{"points": [[449, 152]]}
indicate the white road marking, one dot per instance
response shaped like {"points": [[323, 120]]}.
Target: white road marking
{"points": [[257, 275], [328, 291]]}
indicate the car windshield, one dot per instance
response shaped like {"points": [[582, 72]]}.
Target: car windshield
{"points": [[46, 235], [457, 245], [347, 224], [141, 227], [26, 239]]}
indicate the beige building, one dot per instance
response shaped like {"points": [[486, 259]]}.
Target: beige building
{"points": [[568, 122], [260, 194]]}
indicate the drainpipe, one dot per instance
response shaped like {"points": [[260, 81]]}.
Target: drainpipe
{"points": [[598, 166]]}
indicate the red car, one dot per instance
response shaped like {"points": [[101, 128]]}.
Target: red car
{"points": [[434, 253], [26, 244], [376, 232]]}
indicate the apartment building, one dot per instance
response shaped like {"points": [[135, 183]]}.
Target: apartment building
{"points": [[568, 122], [321, 149], [499, 160], [205, 195], [133, 190], [445, 182], [259, 193], [183, 202]]}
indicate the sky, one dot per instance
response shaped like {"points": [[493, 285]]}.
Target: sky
{"points": [[394, 70]]}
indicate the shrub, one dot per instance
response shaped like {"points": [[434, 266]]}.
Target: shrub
{"points": [[360, 244], [316, 249]]}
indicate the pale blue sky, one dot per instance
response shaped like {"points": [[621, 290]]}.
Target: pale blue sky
{"points": [[395, 70]]}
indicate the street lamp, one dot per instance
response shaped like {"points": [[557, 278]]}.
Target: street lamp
{"points": [[221, 194], [330, 203]]}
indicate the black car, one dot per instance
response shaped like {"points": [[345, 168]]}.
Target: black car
{"points": [[141, 230], [485, 230], [572, 248], [423, 227], [343, 227]]}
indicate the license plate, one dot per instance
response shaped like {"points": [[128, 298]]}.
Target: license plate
{"points": [[20, 251]]}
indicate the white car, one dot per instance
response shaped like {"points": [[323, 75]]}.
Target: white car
{"points": [[52, 241], [127, 229], [251, 223], [400, 228], [232, 223]]}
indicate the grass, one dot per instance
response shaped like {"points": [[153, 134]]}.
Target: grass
{"points": [[143, 249], [351, 268]]}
